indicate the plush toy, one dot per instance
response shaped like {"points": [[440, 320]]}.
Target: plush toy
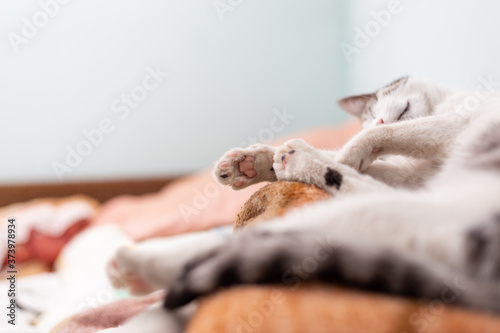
{"points": [[276, 199]]}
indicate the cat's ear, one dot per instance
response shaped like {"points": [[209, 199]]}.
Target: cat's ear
{"points": [[356, 105], [396, 83]]}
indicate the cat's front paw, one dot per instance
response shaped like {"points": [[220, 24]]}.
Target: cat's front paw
{"points": [[292, 161], [240, 168], [298, 161], [358, 154]]}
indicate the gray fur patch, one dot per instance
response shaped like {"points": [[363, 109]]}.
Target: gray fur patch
{"points": [[484, 151]]}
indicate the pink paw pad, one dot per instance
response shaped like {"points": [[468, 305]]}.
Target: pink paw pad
{"points": [[286, 157], [239, 183], [247, 167], [113, 264], [225, 175], [137, 286]]}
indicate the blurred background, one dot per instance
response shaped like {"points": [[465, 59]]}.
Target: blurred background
{"points": [[122, 89]]}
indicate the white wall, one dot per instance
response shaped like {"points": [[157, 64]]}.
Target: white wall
{"points": [[449, 41], [225, 79]]}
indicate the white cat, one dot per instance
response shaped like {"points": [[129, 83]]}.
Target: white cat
{"points": [[402, 100], [423, 224]]}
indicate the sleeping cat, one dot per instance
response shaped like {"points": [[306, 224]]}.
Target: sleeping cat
{"points": [[402, 100], [379, 232]]}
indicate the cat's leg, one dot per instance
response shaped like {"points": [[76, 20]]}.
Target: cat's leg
{"points": [[402, 247], [242, 167], [155, 264], [294, 161], [427, 138], [298, 161], [403, 172]]}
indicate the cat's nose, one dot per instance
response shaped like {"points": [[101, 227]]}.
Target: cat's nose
{"points": [[380, 121]]}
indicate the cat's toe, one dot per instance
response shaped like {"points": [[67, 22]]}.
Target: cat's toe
{"points": [[240, 182], [291, 160], [358, 158], [297, 144], [285, 157], [115, 276], [122, 272], [227, 169]]}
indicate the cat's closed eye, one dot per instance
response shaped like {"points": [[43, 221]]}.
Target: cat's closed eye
{"points": [[407, 108]]}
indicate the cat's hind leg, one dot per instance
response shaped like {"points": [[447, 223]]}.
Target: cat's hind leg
{"points": [[290, 257], [242, 167], [155, 264], [410, 266]]}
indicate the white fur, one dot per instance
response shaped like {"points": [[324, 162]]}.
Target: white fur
{"points": [[157, 263]]}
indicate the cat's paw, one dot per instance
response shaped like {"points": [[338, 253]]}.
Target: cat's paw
{"points": [[155, 264], [359, 153], [291, 157], [298, 161], [124, 272], [240, 168]]}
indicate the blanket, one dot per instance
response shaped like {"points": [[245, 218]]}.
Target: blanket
{"points": [[310, 307]]}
